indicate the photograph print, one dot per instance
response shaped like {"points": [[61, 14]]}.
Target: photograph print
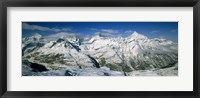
{"points": [[99, 48]]}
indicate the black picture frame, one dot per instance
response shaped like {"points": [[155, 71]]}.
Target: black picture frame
{"points": [[99, 3]]}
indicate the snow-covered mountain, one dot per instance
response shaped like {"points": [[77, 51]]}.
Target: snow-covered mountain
{"points": [[71, 37], [32, 43], [124, 54]]}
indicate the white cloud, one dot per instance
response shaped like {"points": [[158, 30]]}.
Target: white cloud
{"points": [[129, 31], [66, 29], [34, 27], [97, 33], [61, 35], [109, 31], [105, 34], [56, 29], [155, 31], [41, 28]]}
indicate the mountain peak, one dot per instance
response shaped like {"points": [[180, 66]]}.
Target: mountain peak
{"points": [[136, 35], [33, 37], [36, 35]]}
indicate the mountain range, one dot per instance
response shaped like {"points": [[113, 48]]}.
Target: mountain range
{"points": [[129, 54]]}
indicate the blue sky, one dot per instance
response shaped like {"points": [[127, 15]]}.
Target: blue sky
{"points": [[168, 30]]}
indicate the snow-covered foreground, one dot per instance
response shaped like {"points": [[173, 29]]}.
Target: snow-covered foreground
{"points": [[172, 71], [103, 71]]}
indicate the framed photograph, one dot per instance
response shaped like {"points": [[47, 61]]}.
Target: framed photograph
{"points": [[85, 48]]}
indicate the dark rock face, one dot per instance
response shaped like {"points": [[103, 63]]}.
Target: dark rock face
{"points": [[32, 47], [94, 61], [70, 73], [34, 67], [60, 40], [38, 67]]}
